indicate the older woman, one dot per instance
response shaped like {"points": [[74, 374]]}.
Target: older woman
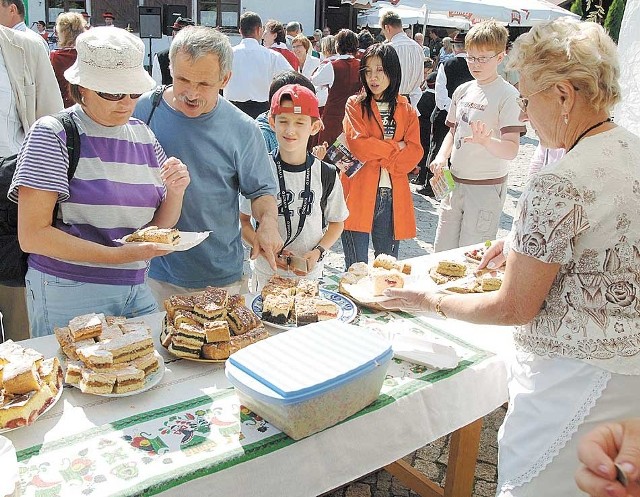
{"points": [[571, 281], [69, 25], [123, 181], [307, 63]]}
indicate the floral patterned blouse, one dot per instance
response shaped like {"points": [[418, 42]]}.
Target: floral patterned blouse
{"points": [[583, 212]]}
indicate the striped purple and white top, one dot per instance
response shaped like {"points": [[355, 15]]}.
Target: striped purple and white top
{"points": [[116, 189]]}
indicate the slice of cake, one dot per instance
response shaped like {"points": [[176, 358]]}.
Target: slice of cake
{"points": [[20, 377], [128, 379], [187, 334], [308, 288], [186, 351], [252, 336], [216, 351], [211, 306], [235, 301], [99, 382], [86, 326], [95, 356], [186, 317], [168, 236], [325, 308], [383, 279], [129, 346], [276, 308], [242, 319], [147, 363], [359, 269], [217, 331], [491, 281], [74, 372], [110, 332], [451, 268], [178, 302], [304, 311]]}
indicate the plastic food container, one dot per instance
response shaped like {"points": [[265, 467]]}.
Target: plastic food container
{"points": [[310, 378]]}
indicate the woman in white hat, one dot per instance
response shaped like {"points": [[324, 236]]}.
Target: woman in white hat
{"points": [[123, 182]]}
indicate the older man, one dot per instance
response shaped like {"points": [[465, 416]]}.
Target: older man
{"points": [[226, 155], [32, 92], [410, 54], [12, 16]]}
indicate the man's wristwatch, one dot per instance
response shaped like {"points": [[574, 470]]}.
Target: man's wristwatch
{"points": [[320, 249]]}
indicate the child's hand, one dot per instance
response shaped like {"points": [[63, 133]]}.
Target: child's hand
{"points": [[312, 259], [320, 151], [480, 134], [175, 175]]}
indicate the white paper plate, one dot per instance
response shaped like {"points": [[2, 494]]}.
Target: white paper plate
{"points": [[188, 240], [424, 352]]}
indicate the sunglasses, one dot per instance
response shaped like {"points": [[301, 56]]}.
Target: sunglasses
{"points": [[115, 97]]}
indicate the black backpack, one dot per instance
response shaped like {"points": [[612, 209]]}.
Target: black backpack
{"points": [[13, 261]]}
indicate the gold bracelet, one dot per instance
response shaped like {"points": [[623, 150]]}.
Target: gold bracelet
{"points": [[438, 307]]}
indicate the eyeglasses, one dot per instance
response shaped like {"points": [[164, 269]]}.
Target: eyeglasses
{"points": [[480, 60], [115, 97], [297, 46], [523, 102]]}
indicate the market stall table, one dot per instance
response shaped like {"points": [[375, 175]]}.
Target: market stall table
{"points": [[189, 435]]}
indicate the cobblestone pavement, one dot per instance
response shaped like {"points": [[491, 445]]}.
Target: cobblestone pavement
{"points": [[432, 458]]}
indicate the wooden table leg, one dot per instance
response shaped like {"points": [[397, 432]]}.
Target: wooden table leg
{"points": [[463, 453]]}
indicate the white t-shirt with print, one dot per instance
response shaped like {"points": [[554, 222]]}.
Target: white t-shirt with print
{"points": [[312, 233], [495, 105]]}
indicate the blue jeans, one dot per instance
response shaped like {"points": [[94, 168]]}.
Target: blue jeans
{"points": [[52, 301], [355, 244]]}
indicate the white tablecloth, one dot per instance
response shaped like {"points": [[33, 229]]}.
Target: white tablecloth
{"points": [[242, 460]]}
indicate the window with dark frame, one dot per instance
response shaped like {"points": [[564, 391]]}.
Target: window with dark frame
{"points": [[223, 14]]}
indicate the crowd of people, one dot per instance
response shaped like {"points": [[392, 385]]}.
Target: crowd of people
{"points": [[232, 140]]}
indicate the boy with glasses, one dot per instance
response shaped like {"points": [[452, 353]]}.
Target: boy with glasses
{"points": [[484, 136]]}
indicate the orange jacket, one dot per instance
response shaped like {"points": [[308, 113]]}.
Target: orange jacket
{"points": [[366, 142]]}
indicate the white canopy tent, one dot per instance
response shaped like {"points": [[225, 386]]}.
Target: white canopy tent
{"points": [[514, 12], [410, 15]]}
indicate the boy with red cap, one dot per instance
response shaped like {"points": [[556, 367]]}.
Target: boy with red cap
{"points": [[303, 207], [108, 18]]}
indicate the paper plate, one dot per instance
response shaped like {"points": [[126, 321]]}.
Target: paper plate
{"points": [[347, 310], [188, 240]]}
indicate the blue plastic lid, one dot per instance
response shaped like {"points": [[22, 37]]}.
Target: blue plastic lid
{"points": [[305, 362]]}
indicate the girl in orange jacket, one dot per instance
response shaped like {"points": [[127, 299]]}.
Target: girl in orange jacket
{"points": [[383, 132]]}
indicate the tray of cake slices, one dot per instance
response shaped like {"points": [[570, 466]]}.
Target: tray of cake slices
{"points": [[208, 326], [168, 238], [458, 276], [29, 385], [366, 283], [291, 302], [110, 356]]}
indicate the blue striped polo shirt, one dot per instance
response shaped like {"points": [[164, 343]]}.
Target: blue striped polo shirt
{"points": [[116, 189]]}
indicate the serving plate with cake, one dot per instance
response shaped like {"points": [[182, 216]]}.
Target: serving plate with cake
{"points": [[167, 238], [209, 326], [286, 303], [366, 284], [29, 385], [109, 356]]}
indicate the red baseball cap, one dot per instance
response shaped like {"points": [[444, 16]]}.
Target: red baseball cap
{"points": [[304, 101]]}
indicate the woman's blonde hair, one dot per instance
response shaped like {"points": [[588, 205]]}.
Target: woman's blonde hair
{"points": [[69, 25], [303, 40], [447, 43], [328, 45], [566, 49]]}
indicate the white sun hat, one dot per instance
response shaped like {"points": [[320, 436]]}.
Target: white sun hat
{"points": [[110, 60]]}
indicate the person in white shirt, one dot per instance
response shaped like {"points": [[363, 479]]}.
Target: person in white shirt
{"points": [[293, 29], [410, 54], [302, 49], [254, 67], [12, 16]]}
